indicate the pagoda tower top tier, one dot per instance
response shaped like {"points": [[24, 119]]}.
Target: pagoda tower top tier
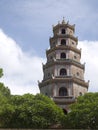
{"points": [[64, 26], [63, 33]]}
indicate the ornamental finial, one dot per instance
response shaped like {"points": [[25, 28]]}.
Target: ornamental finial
{"points": [[63, 21], [67, 22]]}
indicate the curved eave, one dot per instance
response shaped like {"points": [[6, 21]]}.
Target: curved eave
{"points": [[64, 36], [63, 47], [63, 62], [66, 25], [62, 80]]}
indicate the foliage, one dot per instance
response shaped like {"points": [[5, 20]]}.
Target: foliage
{"points": [[29, 111], [84, 113], [1, 72], [4, 91]]}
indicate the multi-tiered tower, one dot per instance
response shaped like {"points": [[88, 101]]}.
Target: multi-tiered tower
{"points": [[63, 79]]}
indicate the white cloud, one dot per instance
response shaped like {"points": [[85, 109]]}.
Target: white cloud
{"points": [[21, 70], [90, 56]]}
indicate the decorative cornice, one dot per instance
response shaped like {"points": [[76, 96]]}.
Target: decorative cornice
{"points": [[58, 79], [65, 62], [61, 47], [64, 36]]}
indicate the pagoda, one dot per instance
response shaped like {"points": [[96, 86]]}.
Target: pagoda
{"points": [[63, 79]]}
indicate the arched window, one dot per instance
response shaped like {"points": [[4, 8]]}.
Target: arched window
{"points": [[77, 73], [63, 31], [63, 72], [63, 42], [63, 55], [75, 57], [46, 94], [63, 91]]}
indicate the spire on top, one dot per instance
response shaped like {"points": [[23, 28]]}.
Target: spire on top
{"points": [[63, 21]]}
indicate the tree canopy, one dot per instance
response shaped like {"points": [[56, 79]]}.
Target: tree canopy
{"points": [[29, 111], [84, 113]]}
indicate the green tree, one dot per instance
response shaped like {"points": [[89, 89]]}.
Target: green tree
{"points": [[29, 111], [1, 72], [4, 101], [4, 91], [84, 113]]}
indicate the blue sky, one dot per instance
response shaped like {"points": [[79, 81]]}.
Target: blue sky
{"points": [[28, 25], [30, 22]]}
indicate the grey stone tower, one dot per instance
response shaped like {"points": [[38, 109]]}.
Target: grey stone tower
{"points": [[63, 78]]}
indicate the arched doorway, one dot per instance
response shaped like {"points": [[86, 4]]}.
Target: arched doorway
{"points": [[63, 91], [65, 111]]}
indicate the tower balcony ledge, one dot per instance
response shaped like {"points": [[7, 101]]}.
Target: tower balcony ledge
{"points": [[63, 47], [63, 76], [63, 61], [70, 61], [63, 36], [73, 79], [64, 99], [62, 79], [67, 36]]}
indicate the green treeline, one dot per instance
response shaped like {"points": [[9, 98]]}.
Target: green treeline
{"points": [[27, 111], [39, 111]]}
